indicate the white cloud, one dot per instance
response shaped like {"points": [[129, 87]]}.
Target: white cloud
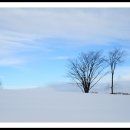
{"points": [[60, 58], [123, 73], [96, 25], [11, 61], [20, 28]]}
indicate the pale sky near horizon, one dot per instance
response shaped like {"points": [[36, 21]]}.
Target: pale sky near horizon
{"points": [[35, 43]]}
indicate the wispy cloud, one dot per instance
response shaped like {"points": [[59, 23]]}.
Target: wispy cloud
{"points": [[11, 61], [21, 28], [60, 58], [123, 73], [95, 25]]}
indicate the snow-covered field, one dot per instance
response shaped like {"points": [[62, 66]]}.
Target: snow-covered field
{"points": [[49, 105]]}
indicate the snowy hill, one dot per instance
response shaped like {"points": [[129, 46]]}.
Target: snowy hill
{"points": [[119, 86], [48, 105]]}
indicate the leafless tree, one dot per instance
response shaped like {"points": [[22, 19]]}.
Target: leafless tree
{"points": [[115, 57], [87, 70]]}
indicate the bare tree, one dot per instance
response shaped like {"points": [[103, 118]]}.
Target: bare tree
{"points": [[115, 57], [87, 70]]}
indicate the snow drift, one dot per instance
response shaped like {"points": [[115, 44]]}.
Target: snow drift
{"points": [[48, 105]]}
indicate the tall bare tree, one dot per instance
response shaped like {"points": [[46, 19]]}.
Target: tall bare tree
{"points": [[87, 70], [115, 57]]}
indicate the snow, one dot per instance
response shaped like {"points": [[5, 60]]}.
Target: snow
{"points": [[50, 105]]}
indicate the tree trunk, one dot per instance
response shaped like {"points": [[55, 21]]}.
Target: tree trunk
{"points": [[86, 90], [87, 87], [112, 83]]}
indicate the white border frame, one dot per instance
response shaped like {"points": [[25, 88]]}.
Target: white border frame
{"points": [[66, 5]]}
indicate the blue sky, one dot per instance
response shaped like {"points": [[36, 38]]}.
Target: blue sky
{"points": [[35, 43]]}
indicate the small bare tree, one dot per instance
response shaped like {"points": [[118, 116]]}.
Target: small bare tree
{"points": [[115, 57], [87, 70]]}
